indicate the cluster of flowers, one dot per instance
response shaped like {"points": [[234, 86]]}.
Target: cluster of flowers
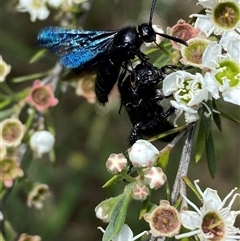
{"points": [[213, 221], [14, 135], [13, 131], [213, 50]]}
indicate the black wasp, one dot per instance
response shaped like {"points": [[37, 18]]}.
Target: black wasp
{"points": [[142, 101], [105, 51]]}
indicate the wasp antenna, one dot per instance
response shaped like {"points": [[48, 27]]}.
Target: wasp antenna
{"points": [[178, 40], [151, 12]]}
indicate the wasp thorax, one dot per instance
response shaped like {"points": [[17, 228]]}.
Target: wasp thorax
{"points": [[128, 38]]}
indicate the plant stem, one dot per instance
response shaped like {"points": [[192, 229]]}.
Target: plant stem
{"points": [[179, 185]]}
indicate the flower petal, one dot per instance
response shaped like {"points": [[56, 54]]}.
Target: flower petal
{"points": [[190, 219], [232, 95], [210, 55], [124, 234]]}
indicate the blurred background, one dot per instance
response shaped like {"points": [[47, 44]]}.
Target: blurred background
{"points": [[86, 134]]}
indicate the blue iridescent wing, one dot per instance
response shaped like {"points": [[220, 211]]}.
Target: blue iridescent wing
{"points": [[76, 48]]}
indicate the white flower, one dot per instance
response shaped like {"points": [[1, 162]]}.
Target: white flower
{"points": [[221, 16], [41, 142], [212, 221], [188, 91], [36, 8], [224, 76], [125, 234], [142, 153], [4, 69], [11, 132]]}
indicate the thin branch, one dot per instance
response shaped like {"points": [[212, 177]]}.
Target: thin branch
{"points": [[179, 185]]}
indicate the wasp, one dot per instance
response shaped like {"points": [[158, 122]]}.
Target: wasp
{"points": [[107, 52]]}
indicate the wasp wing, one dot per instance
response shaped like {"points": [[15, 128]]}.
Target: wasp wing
{"points": [[76, 48]]}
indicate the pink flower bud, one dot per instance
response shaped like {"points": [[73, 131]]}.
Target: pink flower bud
{"points": [[116, 163], [140, 191], [155, 177]]}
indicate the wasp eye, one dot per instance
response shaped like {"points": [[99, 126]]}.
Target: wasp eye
{"points": [[147, 33]]}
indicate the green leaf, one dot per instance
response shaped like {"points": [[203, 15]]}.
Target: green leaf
{"points": [[52, 156], [1, 237], [6, 113], [216, 116], [167, 133], [5, 103], [200, 143], [144, 207], [40, 54], [163, 157], [30, 77], [118, 216], [192, 186], [112, 181], [210, 152], [231, 118], [9, 232]]}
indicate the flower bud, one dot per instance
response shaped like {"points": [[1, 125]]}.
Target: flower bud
{"points": [[104, 209], [155, 177], [164, 220], [116, 163], [41, 142], [142, 153], [140, 191]]}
